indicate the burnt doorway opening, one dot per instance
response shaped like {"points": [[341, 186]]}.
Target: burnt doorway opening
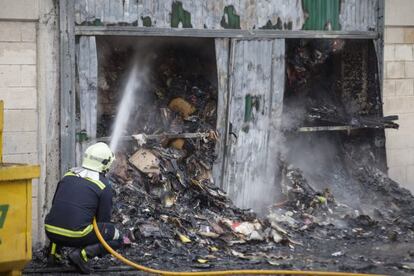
{"points": [[173, 104], [171, 68], [332, 120]]}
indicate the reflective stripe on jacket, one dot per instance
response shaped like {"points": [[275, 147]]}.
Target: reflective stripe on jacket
{"points": [[76, 201]]}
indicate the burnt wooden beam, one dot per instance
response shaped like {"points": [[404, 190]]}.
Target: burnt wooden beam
{"points": [[158, 136], [224, 33], [172, 135], [326, 128], [338, 128]]}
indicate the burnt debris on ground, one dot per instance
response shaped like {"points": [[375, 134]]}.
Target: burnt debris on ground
{"points": [[340, 211]]}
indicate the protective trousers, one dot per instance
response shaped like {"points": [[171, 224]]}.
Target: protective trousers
{"points": [[90, 242]]}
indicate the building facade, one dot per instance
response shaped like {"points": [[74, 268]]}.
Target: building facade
{"points": [[29, 56], [30, 86]]}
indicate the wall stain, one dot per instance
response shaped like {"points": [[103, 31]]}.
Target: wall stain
{"points": [[179, 15], [270, 26], [230, 19], [278, 26], [146, 21]]}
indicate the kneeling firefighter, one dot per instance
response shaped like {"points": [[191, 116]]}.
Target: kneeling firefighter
{"points": [[82, 194]]}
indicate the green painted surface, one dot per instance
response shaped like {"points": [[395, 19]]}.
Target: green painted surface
{"points": [[3, 214], [98, 22], [251, 104], [230, 19], [178, 15], [146, 21], [82, 136], [248, 108], [321, 13]]}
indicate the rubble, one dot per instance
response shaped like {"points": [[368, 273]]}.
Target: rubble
{"points": [[145, 161], [165, 193], [184, 108]]}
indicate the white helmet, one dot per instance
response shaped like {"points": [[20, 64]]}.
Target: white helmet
{"points": [[98, 157]]}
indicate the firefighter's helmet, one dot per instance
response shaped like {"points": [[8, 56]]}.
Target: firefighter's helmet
{"points": [[98, 157]]}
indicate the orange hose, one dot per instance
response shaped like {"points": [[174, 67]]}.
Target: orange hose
{"points": [[224, 272]]}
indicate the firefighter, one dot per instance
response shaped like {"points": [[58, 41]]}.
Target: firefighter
{"points": [[82, 194]]}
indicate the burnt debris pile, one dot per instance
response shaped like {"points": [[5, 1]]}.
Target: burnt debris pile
{"points": [[177, 92], [164, 188], [166, 195], [339, 210], [334, 152], [313, 211]]}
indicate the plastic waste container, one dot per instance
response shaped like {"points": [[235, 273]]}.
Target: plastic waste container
{"points": [[15, 212]]}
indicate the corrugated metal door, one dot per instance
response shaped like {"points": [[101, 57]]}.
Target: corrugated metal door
{"points": [[222, 47], [87, 93], [256, 85]]}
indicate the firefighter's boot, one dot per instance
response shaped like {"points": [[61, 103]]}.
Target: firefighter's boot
{"points": [[79, 258], [54, 258]]}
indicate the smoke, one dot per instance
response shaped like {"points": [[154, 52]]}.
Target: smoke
{"points": [[319, 155], [327, 159], [257, 188], [256, 173]]}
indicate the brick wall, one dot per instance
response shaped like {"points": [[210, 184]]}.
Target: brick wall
{"points": [[18, 90], [399, 99], [399, 88]]}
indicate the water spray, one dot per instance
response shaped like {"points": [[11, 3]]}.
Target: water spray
{"points": [[134, 82]]}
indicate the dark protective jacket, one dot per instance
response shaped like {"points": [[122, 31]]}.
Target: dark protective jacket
{"points": [[76, 201]]}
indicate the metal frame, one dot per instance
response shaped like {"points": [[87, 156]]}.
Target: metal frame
{"points": [[227, 33]]}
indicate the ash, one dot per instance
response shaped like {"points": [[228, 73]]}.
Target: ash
{"points": [[340, 212]]}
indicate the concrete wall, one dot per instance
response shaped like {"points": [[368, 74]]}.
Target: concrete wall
{"points": [[28, 86], [49, 106], [399, 89], [18, 85]]}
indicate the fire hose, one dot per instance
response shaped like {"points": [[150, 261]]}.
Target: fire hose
{"points": [[223, 272]]}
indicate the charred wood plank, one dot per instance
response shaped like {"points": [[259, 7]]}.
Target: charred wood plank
{"points": [[158, 136]]}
